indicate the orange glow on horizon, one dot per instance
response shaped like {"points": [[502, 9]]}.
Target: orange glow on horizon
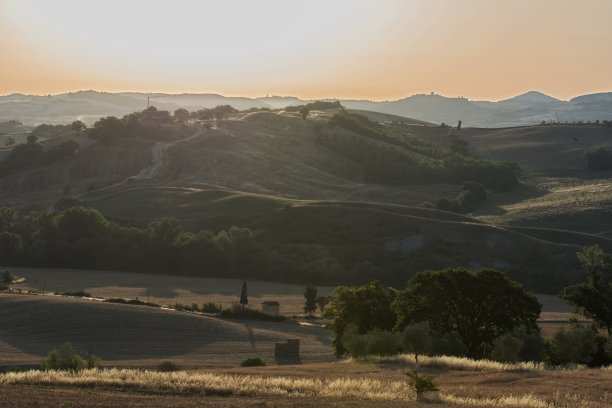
{"points": [[378, 50]]}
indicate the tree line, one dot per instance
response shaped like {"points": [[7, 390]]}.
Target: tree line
{"points": [[479, 314], [82, 238]]}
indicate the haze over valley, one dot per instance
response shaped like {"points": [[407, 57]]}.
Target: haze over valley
{"points": [[348, 203]]}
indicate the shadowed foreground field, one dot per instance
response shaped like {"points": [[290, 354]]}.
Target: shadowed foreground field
{"points": [[140, 336], [314, 385]]}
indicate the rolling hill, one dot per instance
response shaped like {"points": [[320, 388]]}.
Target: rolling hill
{"points": [[527, 109], [338, 197]]}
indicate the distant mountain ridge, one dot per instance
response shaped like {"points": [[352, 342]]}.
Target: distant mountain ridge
{"points": [[526, 109]]}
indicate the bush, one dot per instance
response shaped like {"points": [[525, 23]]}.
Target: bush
{"points": [[376, 342], [79, 293], [252, 362], [66, 358], [597, 159], [421, 384], [448, 344], [608, 347], [211, 307], [238, 312], [507, 348], [168, 366], [7, 277], [576, 345], [417, 339]]}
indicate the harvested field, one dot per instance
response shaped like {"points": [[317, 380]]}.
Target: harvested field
{"points": [[141, 336], [165, 289]]}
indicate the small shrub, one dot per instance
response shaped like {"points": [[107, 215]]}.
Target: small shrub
{"points": [[116, 300], [195, 307], [211, 307], [168, 366], [421, 384], [7, 277], [92, 361], [79, 293], [252, 362], [63, 358], [238, 312]]}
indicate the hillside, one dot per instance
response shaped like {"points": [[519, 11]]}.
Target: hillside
{"points": [[529, 108], [336, 197], [141, 336]]}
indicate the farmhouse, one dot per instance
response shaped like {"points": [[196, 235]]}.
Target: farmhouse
{"points": [[270, 307]]}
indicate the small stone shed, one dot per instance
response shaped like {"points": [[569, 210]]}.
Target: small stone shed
{"points": [[271, 307]]}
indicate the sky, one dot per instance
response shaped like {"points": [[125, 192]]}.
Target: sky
{"points": [[357, 49]]}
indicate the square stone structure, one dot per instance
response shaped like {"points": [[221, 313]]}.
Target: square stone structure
{"points": [[271, 307], [290, 350]]}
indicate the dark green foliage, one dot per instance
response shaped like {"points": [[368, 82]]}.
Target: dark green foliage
{"points": [[389, 158], [6, 277], [168, 366], [420, 383], [375, 342], [252, 362], [593, 298], [211, 307], [478, 306], [317, 105], [417, 339], [597, 159], [146, 124], [66, 358], [77, 126], [32, 154], [240, 313], [310, 296], [574, 345], [244, 295], [79, 293], [367, 307], [82, 238], [507, 348], [131, 302]]}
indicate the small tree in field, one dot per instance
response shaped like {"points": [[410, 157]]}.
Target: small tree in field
{"points": [[244, 296], [417, 339], [310, 294], [66, 358], [420, 383]]}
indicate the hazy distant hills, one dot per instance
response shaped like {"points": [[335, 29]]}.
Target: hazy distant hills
{"points": [[526, 109]]}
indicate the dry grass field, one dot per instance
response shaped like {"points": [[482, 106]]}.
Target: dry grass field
{"points": [[165, 289], [351, 384]]}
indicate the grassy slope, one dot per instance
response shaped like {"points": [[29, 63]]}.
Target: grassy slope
{"points": [[558, 194]]}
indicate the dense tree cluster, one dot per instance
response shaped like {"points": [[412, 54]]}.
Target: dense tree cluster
{"points": [[146, 124], [83, 238], [390, 160], [317, 105], [597, 159], [473, 307], [32, 154]]}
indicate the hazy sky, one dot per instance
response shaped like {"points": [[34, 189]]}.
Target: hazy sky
{"points": [[376, 49]]}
